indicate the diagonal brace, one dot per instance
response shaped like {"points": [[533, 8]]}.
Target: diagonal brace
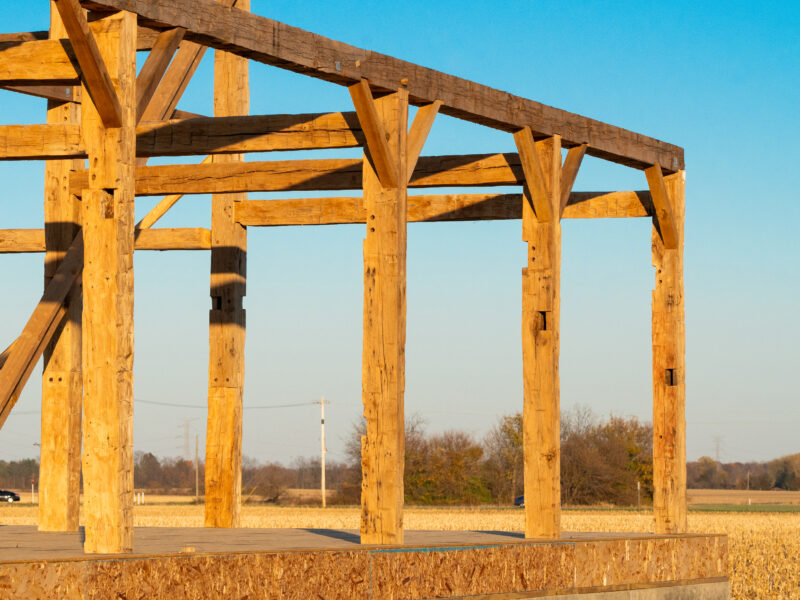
{"points": [[534, 176], [662, 207], [569, 171], [381, 154]]}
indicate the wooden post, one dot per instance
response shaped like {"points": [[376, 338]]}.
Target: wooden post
{"points": [[62, 385], [108, 223], [227, 317], [669, 387], [383, 374], [541, 300]]}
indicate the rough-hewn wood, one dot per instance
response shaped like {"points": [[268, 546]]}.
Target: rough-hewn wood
{"points": [[383, 367], [24, 36], [62, 383], [538, 187], [223, 466], [378, 150], [569, 172], [167, 238], [160, 209], [60, 93], [94, 74], [257, 133], [665, 220], [39, 330], [418, 134], [540, 348], [44, 61], [669, 378], [37, 142], [447, 207], [155, 66], [291, 48], [14, 241], [108, 233]]}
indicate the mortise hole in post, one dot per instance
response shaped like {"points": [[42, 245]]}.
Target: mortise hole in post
{"points": [[216, 302], [669, 377], [543, 317]]}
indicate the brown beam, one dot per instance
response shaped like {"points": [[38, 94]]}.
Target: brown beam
{"points": [[61, 93], [537, 187], [379, 152], [155, 66], [277, 44], [14, 241], [418, 134], [569, 172], [46, 62], [665, 220], [35, 142]]}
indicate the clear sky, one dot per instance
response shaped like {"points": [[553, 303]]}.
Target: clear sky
{"points": [[719, 79]]}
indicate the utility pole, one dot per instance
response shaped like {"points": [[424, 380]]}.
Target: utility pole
{"points": [[322, 446], [197, 469]]}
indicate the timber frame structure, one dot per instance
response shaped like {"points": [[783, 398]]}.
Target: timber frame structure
{"points": [[104, 121]]}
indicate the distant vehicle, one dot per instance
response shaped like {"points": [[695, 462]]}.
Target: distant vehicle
{"points": [[7, 496], [519, 501]]}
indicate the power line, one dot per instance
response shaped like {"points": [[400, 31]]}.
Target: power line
{"points": [[266, 406]]}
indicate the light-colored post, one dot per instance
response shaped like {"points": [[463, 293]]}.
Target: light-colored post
{"points": [[223, 475], [62, 385], [108, 223], [541, 299], [383, 374], [197, 468], [322, 447], [669, 385]]}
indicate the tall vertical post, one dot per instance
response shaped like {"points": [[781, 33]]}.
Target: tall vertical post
{"points": [[108, 224], [383, 365], [62, 385], [223, 474], [669, 386], [541, 301]]}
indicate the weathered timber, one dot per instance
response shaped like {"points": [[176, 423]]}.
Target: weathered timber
{"points": [[383, 362], [569, 172], [94, 74], [61, 93], [315, 174], [291, 48], [418, 134], [446, 207], [537, 186], [223, 466], [14, 241], [36, 142], [257, 133], [160, 209], [669, 365], [108, 233], [665, 220], [379, 152], [155, 66], [62, 379], [48, 62], [540, 349]]}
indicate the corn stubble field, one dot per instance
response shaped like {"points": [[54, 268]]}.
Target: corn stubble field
{"points": [[764, 548]]}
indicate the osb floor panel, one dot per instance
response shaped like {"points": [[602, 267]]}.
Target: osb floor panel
{"points": [[313, 563]]}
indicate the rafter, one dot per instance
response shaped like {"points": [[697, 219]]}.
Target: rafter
{"points": [[572, 163], [665, 219], [93, 69]]}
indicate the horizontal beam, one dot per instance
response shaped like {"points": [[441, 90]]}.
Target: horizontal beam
{"points": [[449, 207], [60, 93], [15, 241], [48, 62], [274, 43], [257, 133], [29, 142], [318, 174]]}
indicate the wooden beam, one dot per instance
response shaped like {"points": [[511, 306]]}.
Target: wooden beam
{"points": [[669, 367], [541, 300], [40, 142], [378, 148], [534, 176], [256, 133], [291, 48], [37, 332], [13, 241], [227, 324], [418, 134], [62, 376], [181, 238], [155, 66], [160, 209], [572, 163], [383, 362], [448, 207], [108, 234], [317, 174], [61, 93], [24, 36], [94, 74], [665, 220], [47, 62]]}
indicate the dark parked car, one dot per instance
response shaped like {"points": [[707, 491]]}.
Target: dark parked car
{"points": [[7, 496], [519, 501]]}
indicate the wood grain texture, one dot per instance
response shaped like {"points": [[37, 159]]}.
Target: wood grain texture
{"points": [[669, 364], [155, 66], [48, 62], [61, 93], [383, 363], [160, 209], [168, 238], [39, 142], [665, 220], [62, 379], [541, 302], [223, 466], [108, 232], [378, 151], [537, 185], [418, 134], [291, 48], [569, 172], [256, 133]]}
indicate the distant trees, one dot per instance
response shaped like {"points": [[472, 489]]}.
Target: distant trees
{"points": [[781, 473]]}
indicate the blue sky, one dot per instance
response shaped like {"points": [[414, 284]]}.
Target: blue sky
{"points": [[719, 79]]}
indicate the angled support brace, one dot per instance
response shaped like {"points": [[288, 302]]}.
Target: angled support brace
{"points": [[381, 154], [534, 176], [569, 171], [155, 66], [420, 128], [93, 69], [160, 209], [665, 219]]}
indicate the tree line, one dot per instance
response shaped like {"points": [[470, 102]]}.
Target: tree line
{"points": [[780, 473]]}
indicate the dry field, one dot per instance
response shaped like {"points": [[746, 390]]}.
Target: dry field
{"points": [[764, 547], [742, 497]]}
